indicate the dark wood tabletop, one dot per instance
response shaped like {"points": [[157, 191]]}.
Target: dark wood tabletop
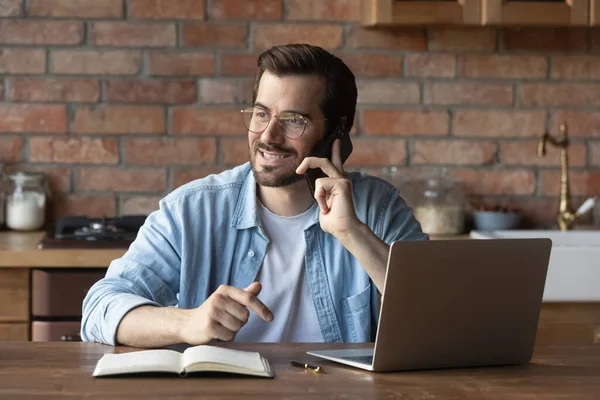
{"points": [[51, 370]]}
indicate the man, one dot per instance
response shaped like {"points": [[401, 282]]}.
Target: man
{"points": [[249, 255]]}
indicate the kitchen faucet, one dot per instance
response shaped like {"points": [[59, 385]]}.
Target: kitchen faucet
{"points": [[566, 213]]}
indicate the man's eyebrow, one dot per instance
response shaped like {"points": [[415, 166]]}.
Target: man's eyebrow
{"points": [[305, 115]]}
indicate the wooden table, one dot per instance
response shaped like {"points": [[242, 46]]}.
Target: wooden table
{"points": [[50, 370]]}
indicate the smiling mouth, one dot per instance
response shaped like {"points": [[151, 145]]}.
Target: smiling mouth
{"points": [[272, 156]]}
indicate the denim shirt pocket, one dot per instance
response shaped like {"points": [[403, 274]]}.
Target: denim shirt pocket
{"points": [[357, 311]]}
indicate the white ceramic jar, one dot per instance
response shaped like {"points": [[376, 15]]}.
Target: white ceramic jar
{"points": [[26, 201]]}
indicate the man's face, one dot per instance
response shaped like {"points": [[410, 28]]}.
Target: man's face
{"points": [[273, 156]]}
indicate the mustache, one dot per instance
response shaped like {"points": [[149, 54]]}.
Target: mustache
{"points": [[262, 146]]}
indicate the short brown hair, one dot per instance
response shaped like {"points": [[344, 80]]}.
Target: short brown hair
{"points": [[305, 59]]}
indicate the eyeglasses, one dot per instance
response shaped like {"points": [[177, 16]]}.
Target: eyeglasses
{"points": [[291, 125]]}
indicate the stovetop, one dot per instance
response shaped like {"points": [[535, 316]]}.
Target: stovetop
{"points": [[84, 232]]}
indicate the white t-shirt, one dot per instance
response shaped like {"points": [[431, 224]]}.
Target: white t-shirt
{"points": [[285, 288]]}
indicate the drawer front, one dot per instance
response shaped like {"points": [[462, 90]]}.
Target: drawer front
{"points": [[16, 331], [55, 331], [60, 293], [14, 295]]}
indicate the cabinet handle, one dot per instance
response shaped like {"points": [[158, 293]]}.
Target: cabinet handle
{"points": [[70, 338]]}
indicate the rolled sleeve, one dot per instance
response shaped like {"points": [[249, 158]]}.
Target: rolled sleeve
{"points": [[148, 274]]}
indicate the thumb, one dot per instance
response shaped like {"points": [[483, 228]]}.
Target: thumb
{"points": [[254, 288]]}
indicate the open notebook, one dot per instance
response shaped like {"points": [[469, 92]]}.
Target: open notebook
{"points": [[194, 359]]}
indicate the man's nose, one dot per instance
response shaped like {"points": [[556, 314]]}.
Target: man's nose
{"points": [[273, 132]]}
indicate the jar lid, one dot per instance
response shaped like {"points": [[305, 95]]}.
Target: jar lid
{"points": [[22, 177]]}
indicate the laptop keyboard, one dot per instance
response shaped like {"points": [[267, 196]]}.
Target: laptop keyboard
{"points": [[360, 359]]}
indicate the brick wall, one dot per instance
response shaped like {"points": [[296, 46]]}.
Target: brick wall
{"points": [[121, 101]]}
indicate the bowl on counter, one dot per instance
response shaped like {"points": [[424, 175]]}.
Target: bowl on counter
{"points": [[496, 220]]}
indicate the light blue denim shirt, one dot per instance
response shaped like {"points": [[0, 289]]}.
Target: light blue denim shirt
{"points": [[207, 233]]}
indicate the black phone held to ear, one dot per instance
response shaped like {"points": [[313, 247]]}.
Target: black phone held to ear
{"points": [[324, 150]]}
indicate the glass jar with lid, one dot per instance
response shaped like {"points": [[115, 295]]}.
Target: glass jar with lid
{"points": [[437, 200], [26, 198]]}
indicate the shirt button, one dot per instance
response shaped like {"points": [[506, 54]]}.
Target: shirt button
{"points": [[251, 254]]}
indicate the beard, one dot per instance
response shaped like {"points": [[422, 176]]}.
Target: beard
{"points": [[270, 176]]}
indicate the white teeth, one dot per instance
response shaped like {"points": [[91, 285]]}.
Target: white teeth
{"points": [[265, 155]]}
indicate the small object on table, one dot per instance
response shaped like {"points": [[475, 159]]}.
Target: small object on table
{"points": [[314, 368]]}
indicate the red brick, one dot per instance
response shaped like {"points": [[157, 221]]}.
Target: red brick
{"points": [[458, 152], [18, 61], [325, 35], [429, 64], [576, 67], [151, 91], [595, 153], [405, 122], [181, 176], [54, 89], [96, 62], [73, 150], [59, 179], [93, 206], [583, 124], [386, 92], [503, 66], [560, 94], [30, 118], [140, 205], [10, 8], [121, 179], [509, 181], [239, 64], [40, 32], [324, 10], [378, 152], [581, 183], [11, 149], [235, 151], [170, 151], [525, 153], [248, 9], [462, 39], [214, 91], [2, 90], [388, 39], [185, 64], [133, 34], [214, 35], [499, 123], [248, 91], [374, 65], [166, 9], [207, 121], [545, 39], [114, 119], [476, 93], [85, 9]]}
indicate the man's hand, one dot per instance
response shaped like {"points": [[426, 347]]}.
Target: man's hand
{"points": [[223, 314], [334, 194]]}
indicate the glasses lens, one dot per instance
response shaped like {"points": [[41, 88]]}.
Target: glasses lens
{"points": [[292, 125], [255, 119]]}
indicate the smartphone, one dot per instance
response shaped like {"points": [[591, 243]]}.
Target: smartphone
{"points": [[324, 151]]}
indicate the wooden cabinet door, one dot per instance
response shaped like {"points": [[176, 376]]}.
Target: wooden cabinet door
{"points": [[594, 12], [549, 12], [14, 295], [18, 331], [418, 12]]}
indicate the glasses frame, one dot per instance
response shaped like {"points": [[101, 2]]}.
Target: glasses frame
{"points": [[281, 128]]}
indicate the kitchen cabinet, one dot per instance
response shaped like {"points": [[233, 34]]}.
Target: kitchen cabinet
{"points": [[548, 12], [411, 12], [595, 12], [480, 12]]}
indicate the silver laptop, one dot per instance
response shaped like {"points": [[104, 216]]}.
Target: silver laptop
{"points": [[456, 303]]}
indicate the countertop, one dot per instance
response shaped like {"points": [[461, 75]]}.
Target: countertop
{"points": [[19, 250]]}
